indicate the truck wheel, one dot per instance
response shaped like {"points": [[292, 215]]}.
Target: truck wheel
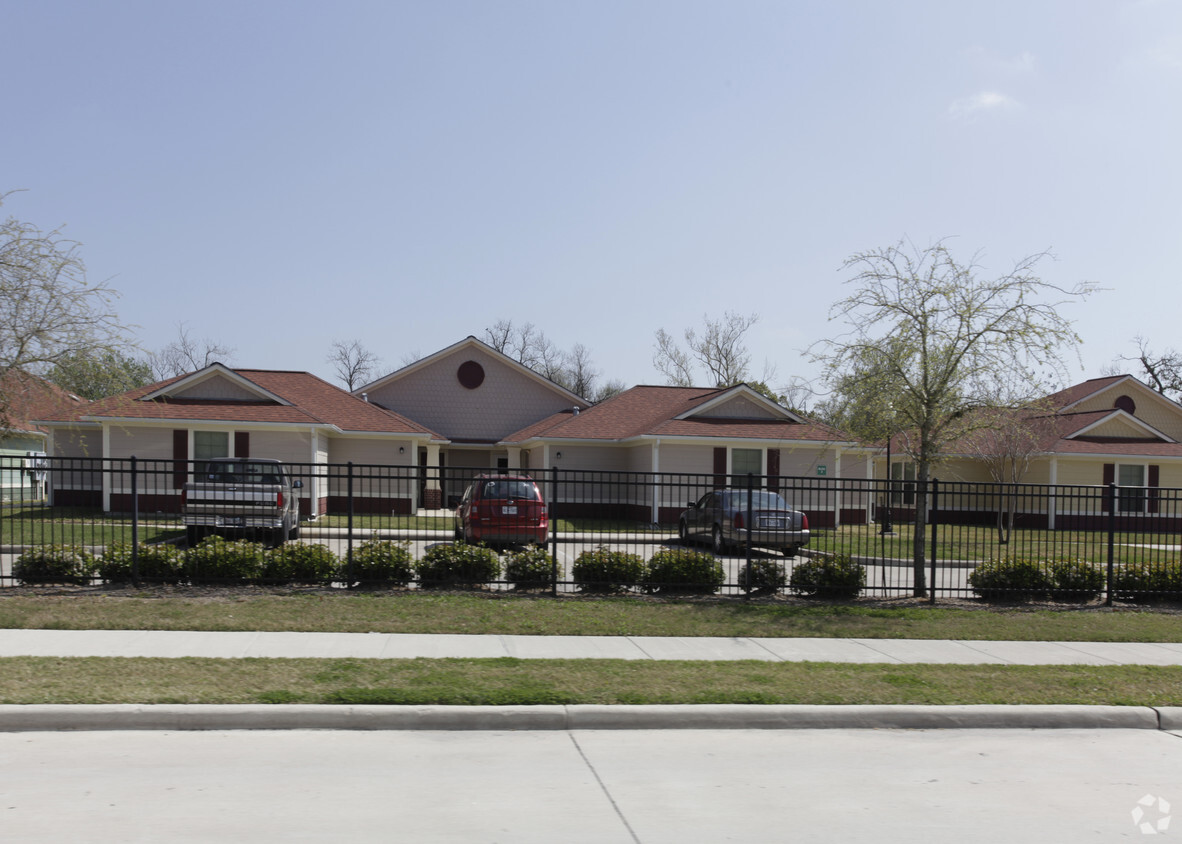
{"points": [[193, 536], [294, 533]]}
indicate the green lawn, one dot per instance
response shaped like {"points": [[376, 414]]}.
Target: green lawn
{"points": [[27, 680], [418, 612]]}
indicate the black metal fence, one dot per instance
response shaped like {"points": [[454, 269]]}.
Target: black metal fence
{"points": [[606, 531]]}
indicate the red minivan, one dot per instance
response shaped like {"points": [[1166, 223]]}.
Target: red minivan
{"points": [[504, 510]]}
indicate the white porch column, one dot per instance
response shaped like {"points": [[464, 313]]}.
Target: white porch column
{"points": [[1052, 500], [312, 490], [656, 486], [514, 457], [433, 495], [103, 467], [837, 487]]}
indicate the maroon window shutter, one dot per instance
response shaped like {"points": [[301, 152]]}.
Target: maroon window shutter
{"points": [[773, 469], [180, 457], [720, 467], [1154, 483], [1109, 478], [242, 443]]}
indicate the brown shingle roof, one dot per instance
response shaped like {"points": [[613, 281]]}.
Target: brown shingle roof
{"points": [[27, 398], [313, 401], [654, 411]]}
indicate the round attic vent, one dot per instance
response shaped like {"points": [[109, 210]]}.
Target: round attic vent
{"points": [[1126, 404], [471, 374]]}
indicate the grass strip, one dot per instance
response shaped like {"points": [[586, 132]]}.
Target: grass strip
{"points": [[416, 612], [41, 680]]}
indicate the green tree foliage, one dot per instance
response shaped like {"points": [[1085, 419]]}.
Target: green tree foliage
{"points": [[927, 339], [95, 375]]}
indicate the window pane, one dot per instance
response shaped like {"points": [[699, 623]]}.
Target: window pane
{"points": [[746, 460], [208, 444], [1131, 476], [1131, 480]]}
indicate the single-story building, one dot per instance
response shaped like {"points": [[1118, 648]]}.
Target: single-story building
{"points": [[1106, 430], [467, 407], [23, 442]]}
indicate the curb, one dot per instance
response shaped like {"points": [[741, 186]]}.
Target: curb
{"points": [[18, 718]]}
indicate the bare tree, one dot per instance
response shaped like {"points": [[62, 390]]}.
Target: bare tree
{"points": [[719, 349], [352, 363], [187, 354], [49, 311], [606, 390], [580, 374], [1163, 371], [1006, 440], [931, 340]]}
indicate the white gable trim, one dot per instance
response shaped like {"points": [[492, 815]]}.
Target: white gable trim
{"points": [[471, 342], [212, 371], [1123, 416], [744, 390]]}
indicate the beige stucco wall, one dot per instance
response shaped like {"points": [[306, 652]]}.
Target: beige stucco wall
{"points": [[506, 401]]}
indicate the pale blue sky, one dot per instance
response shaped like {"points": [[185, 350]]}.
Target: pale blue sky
{"points": [[282, 174]]}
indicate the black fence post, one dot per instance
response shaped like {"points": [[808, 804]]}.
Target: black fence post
{"points": [[935, 518], [135, 524], [349, 523], [750, 526], [1111, 543], [553, 532]]}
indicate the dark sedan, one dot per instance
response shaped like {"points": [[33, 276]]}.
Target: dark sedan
{"points": [[722, 517]]}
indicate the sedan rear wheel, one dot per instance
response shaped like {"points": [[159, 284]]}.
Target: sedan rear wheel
{"points": [[717, 541], [683, 532]]}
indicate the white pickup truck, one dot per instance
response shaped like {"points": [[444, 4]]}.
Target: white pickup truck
{"points": [[242, 496]]}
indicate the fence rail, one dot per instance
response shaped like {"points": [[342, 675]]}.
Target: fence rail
{"points": [[970, 539]]}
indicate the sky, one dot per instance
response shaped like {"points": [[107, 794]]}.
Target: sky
{"points": [[276, 176]]}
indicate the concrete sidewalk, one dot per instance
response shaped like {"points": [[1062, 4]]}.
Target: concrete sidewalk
{"points": [[176, 644], [160, 643]]}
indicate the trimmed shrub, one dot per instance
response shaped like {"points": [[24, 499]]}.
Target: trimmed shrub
{"points": [[766, 576], [219, 560], [54, 564], [299, 563], [531, 568], [380, 562], [604, 570], [1075, 580], [1011, 579], [161, 563], [1148, 583], [681, 571], [838, 577], [459, 564]]}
